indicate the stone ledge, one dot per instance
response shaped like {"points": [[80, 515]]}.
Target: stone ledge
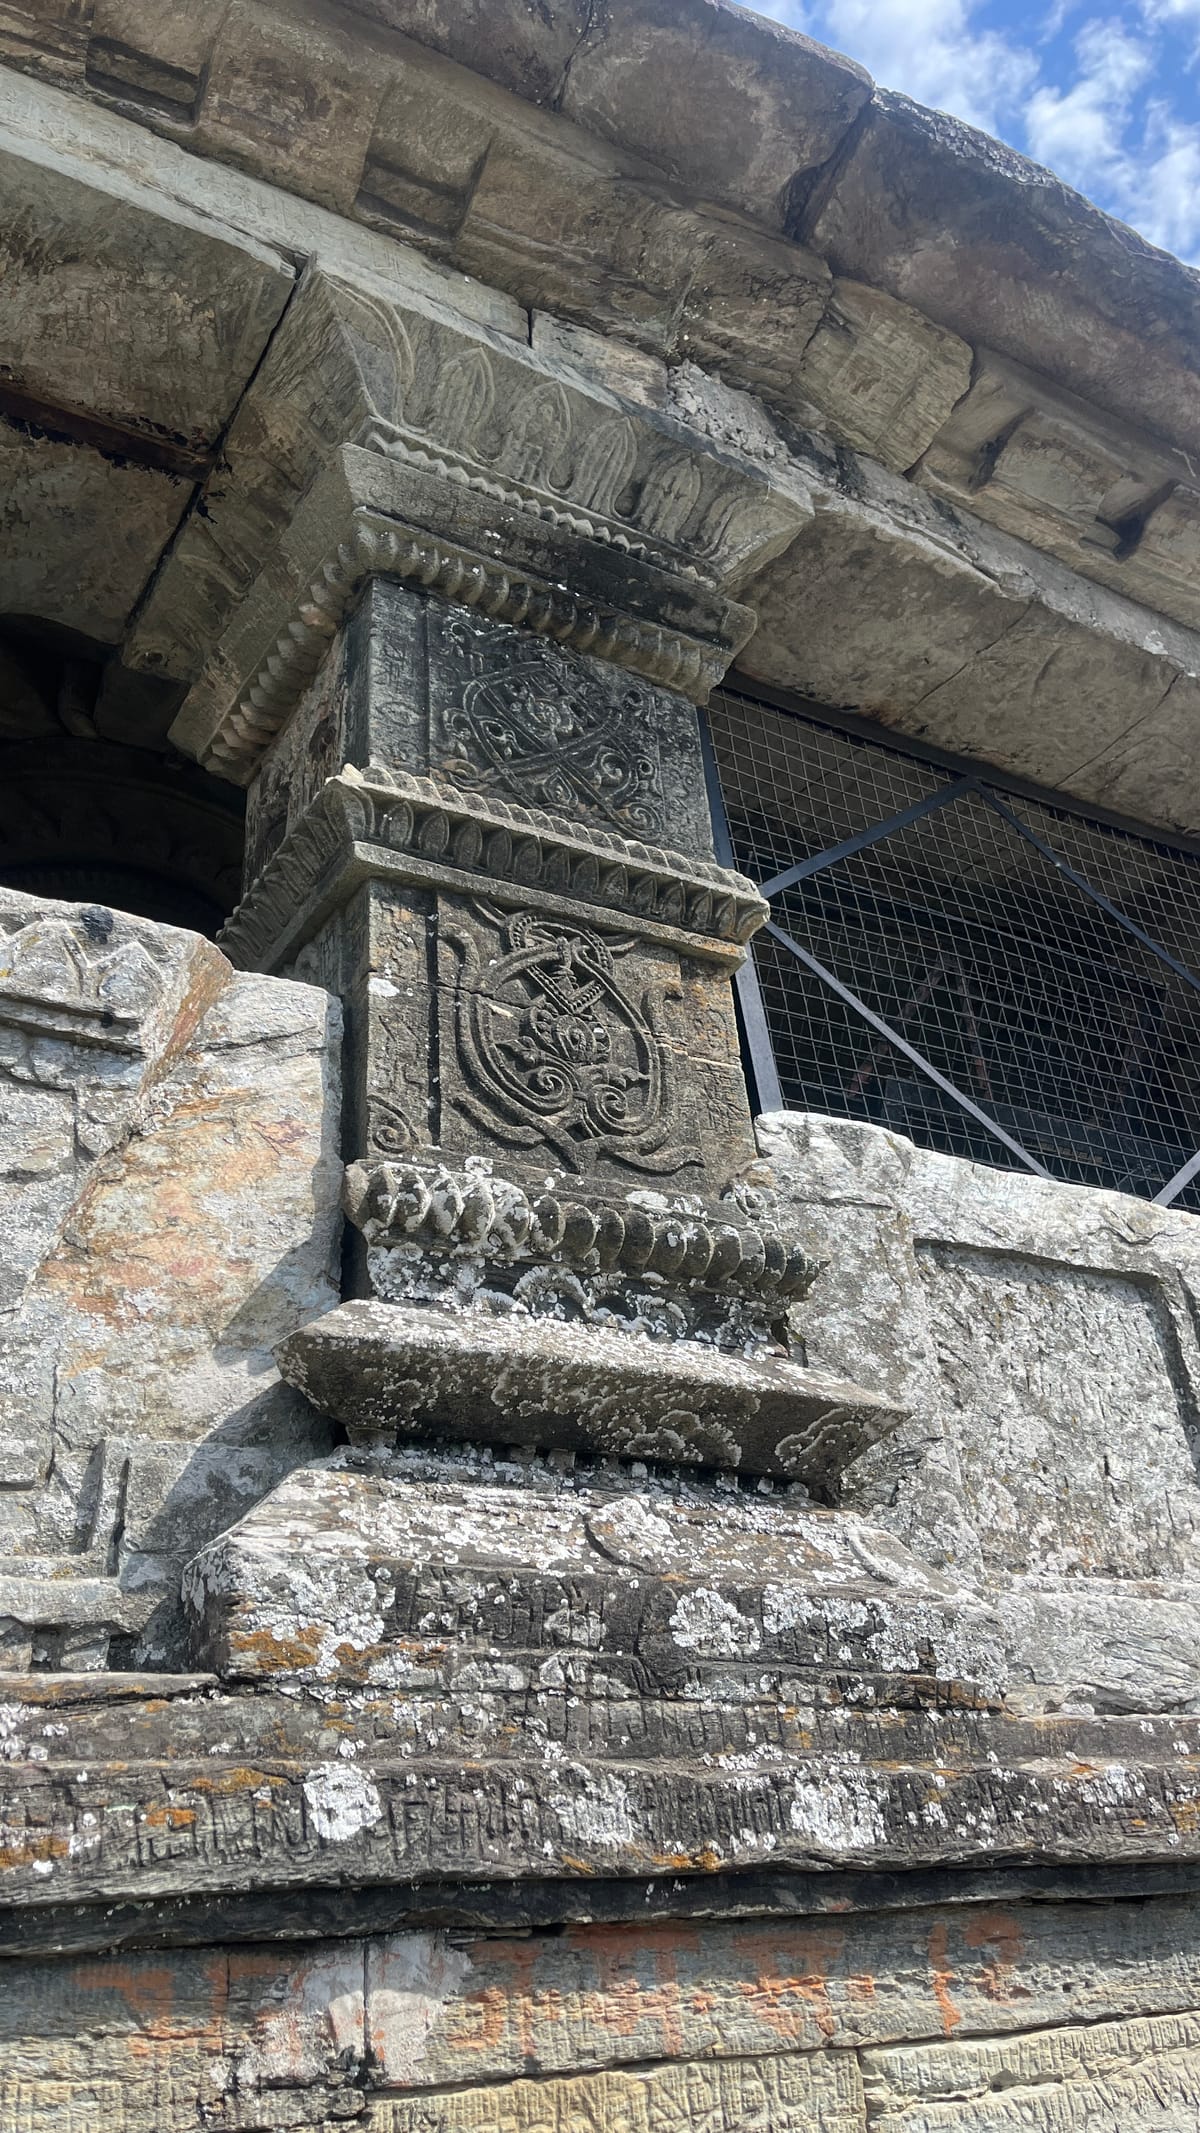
{"points": [[387, 1371], [212, 1793]]}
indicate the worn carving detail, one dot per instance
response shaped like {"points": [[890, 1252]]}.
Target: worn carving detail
{"points": [[784, 2094], [556, 1050], [388, 1371], [383, 545], [60, 978], [516, 726], [440, 826], [471, 1211]]}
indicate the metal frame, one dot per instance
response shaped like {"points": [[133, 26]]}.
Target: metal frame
{"points": [[762, 1070]]}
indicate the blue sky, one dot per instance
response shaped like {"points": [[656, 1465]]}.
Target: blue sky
{"points": [[1109, 97]]}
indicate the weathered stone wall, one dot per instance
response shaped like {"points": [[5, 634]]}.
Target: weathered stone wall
{"points": [[999, 2018], [1045, 1338], [169, 1203]]}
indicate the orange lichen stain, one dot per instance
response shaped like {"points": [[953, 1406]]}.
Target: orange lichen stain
{"points": [[998, 1930], [789, 1988], [487, 2011], [512, 2007], [1185, 1814], [577, 1866], [942, 1977], [278, 1654], [861, 1987], [169, 1817], [35, 1846], [240, 1779]]}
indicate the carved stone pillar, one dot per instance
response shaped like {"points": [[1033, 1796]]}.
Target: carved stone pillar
{"points": [[462, 692]]}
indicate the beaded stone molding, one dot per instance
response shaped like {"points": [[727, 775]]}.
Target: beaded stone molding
{"points": [[472, 1212], [379, 545]]}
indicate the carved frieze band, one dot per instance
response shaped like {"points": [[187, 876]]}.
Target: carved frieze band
{"points": [[491, 419], [475, 1212], [434, 825], [380, 545]]}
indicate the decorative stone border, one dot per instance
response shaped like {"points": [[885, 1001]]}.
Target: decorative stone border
{"points": [[437, 824], [472, 1212]]}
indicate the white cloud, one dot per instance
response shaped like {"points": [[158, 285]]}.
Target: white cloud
{"points": [[1080, 131], [1102, 135], [1109, 128], [934, 51]]}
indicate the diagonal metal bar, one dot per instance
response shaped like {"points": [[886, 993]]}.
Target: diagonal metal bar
{"points": [[767, 1094], [926, 1066], [1174, 1186], [858, 843], [1081, 882]]}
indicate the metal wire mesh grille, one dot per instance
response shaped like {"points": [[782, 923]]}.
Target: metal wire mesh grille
{"points": [[1023, 1022]]}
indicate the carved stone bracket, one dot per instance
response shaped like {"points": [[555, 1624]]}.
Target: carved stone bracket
{"points": [[389, 1372]]}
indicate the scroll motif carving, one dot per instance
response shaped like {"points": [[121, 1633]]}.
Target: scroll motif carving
{"points": [[555, 1049], [541, 739]]}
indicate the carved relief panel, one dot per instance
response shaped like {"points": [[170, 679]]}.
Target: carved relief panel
{"points": [[582, 1047], [519, 719], [414, 686]]}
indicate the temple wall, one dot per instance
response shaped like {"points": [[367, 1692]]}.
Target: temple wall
{"points": [[1000, 2017], [1044, 1338]]}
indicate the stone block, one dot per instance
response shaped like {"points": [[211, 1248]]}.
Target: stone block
{"points": [[110, 248], [259, 110], [81, 534], [882, 377], [777, 105], [387, 1373], [1119, 507], [786, 2094], [1143, 2075], [1043, 1332], [171, 1212], [525, 51], [482, 708], [973, 640], [1004, 254]]}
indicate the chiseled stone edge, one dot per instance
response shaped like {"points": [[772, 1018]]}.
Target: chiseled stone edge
{"points": [[215, 1793], [378, 544], [444, 833]]}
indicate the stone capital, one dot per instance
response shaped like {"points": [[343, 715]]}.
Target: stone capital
{"points": [[385, 437]]}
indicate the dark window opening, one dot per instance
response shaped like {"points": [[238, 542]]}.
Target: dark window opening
{"points": [[95, 805], [990, 972]]}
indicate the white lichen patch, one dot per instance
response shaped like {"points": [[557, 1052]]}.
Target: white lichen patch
{"points": [[705, 1621], [341, 1801], [601, 1814]]}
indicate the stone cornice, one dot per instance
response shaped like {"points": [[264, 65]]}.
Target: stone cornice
{"points": [[413, 829], [793, 139]]}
